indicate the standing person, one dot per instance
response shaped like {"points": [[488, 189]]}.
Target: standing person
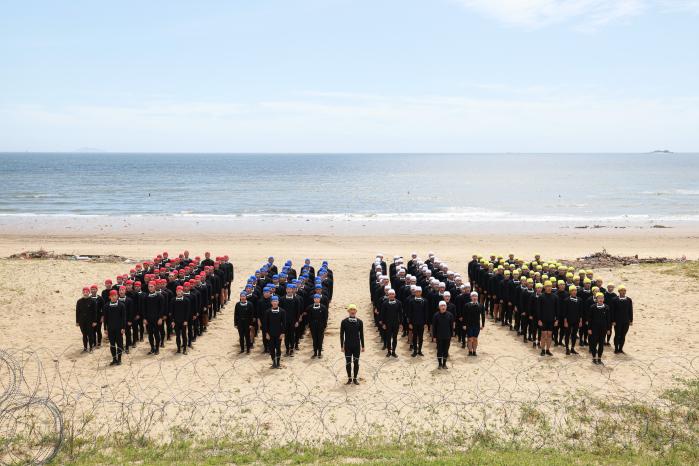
{"points": [[390, 318], [99, 303], [318, 321], [473, 323], [599, 324], [352, 342], [152, 317], [417, 317], [129, 305], [292, 308], [86, 317], [547, 317], [275, 323], [242, 320], [572, 318], [115, 318], [181, 314], [442, 329], [622, 318]]}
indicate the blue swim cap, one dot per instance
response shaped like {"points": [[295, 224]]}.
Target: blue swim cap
{"points": [[275, 298], [316, 296]]}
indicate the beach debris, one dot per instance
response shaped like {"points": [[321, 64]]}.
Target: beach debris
{"points": [[604, 259], [44, 254]]}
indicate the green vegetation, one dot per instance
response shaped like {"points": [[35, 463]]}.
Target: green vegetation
{"points": [[685, 269], [625, 433]]}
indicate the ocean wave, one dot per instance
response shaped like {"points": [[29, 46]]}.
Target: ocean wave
{"points": [[452, 216]]}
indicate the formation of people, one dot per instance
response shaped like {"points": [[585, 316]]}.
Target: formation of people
{"points": [[545, 302], [282, 305], [166, 297]]}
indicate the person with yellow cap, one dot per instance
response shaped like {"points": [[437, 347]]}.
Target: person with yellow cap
{"points": [[622, 318], [571, 315], [599, 321], [609, 298], [561, 293], [547, 317], [534, 329], [585, 297], [525, 295], [352, 342]]}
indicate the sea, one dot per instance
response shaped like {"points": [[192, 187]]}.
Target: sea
{"points": [[653, 187]]}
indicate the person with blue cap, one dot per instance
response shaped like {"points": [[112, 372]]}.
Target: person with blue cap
{"points": [[275, 322], [310, 269], [318, 321], [264, 302], [243, 320], [271, 268], [292, 306]]}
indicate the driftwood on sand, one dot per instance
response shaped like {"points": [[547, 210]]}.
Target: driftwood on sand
{"points": [[604, 259], [43, 254]]}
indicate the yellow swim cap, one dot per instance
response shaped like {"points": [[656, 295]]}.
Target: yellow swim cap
{"points": [[586, 281], [352, 306], [621, 287], [561, 282], [572, 288], [547, 283], [539, 285], [599, 294]]}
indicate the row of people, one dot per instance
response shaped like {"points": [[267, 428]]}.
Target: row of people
{"points": [[411, 296], [547, 303], [282, 305], [161, 298]]}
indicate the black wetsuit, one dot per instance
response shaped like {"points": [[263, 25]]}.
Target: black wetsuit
{"points": [[622, 317], [243, 317], [352, 340], [442, 328], [275, 323], [317, 320], [86, 316], [115, 318]]}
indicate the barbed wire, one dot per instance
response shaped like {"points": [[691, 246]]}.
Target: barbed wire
{"points": [[49, 400]]}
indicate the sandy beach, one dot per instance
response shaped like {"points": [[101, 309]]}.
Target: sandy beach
{"points": [[308, 398]]}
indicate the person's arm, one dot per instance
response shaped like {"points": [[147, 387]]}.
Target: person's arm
{"points": [[630, 311], [482, 309], [342, 334], [361, 333], [77, 312]]}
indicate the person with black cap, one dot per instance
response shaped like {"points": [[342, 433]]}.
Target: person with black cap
{"points": [[318, 321], [181, 314], [86, 317], [622, 318], [115, 318], [352, 342], [275, 324], [243, 320], [442, 329]]}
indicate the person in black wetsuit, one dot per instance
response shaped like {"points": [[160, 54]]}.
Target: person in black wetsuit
{"points": [[622, 318], [442, 330], [571, 315], [390, 318], [473, 322], [275, 324], [318, 320], [243, 317], [352, 342], [547, 317], [115, 318], [599, 324], [181, 310], [417, 318], [86, 317]]}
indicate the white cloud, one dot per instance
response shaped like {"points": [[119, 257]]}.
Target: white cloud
{"points": [[561, 121], [540, 13]]}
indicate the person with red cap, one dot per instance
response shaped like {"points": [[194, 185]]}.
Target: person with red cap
{"points": [[99, 303], [152, 317], [181, 314], [208, 261], [128, 330], [115, 322], [229, 271], [86, 319], [138, 297]]}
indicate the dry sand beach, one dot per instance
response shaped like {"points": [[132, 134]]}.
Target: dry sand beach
{"points": [[214, 390]]}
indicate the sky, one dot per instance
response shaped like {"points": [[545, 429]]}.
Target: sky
{"points": [[350, 76]]}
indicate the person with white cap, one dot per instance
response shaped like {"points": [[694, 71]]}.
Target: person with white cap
{"points": [[442, 329], [473, 323], [417, 313], [390, 317]]}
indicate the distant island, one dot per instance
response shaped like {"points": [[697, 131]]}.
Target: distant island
{"points": [[664, 151]]}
